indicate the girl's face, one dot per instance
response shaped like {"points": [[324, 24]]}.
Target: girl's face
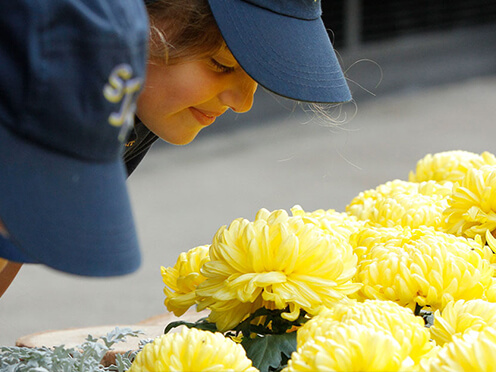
{"points": [[179, 100]]}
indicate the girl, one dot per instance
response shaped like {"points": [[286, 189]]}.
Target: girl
{"points": [[208, 56]]}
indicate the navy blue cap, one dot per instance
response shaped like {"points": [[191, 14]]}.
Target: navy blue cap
{"points": [[71, 72], [284, 46]]}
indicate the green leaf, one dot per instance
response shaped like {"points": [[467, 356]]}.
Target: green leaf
{"points": [[270, 352], [273, 323], [199, 324]]}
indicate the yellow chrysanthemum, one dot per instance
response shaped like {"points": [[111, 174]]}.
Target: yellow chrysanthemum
{"points": [[420, 266], [275, 261], [182, 279], [369, 236], [362, 206], [402, 203], [449, 165], [192, 350], [486, 250], [472, 205], [490, 293], [474, 351], [409, 330], [459, 317], [490, 248], [351, 347], [338, 224]]}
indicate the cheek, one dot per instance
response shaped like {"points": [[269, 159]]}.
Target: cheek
{"points": [[192, 88], [168, 91], [156, 94]]}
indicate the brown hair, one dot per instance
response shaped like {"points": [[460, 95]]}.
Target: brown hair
{"points": [[182, 30]]}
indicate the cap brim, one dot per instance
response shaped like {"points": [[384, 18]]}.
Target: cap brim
{"points": [[290, 57], [72, 215]]}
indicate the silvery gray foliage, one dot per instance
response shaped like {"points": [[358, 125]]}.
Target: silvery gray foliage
{"points": [[86, 357], [123, 361]]}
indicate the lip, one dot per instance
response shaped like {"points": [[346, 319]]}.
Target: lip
{"points": [[205, 118]]}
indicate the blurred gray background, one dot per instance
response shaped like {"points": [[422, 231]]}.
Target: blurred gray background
{"points": [[424, 81]]}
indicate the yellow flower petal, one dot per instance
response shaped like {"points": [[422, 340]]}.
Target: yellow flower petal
{"points": [[351, 346], [182, 279], [406, 328], [473, 351], [192, 350], [471, 208], [401, 203], [286, 261], [459, 317], [420, 266], [449, 165]]}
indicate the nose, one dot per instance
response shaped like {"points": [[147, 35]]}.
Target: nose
{"points": [[239, 94]]}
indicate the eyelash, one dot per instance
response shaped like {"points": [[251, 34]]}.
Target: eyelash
{"points": [[220, 67]]}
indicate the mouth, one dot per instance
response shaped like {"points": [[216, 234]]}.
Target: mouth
{"points": [[205, 118]]}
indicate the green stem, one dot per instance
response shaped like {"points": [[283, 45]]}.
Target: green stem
{"points": [[418, 308]]}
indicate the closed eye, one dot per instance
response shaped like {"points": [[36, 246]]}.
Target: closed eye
{"points": [[220, 67]]}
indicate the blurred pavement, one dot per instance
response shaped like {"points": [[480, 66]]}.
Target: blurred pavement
{"points": [[182, 195]]}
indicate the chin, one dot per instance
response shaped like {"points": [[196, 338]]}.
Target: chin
{"points": [[180, 140]]}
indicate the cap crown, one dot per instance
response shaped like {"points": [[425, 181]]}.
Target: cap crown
{"points": [[76, 68]]}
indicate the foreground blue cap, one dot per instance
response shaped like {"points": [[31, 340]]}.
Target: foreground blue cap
{"points": [[284, 46], [71, 71]]}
